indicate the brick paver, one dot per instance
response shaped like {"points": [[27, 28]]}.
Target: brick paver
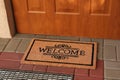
{"points": [[11, 56], [82, 72], [12, 45], [99, 71], [110, 53], [8, 64], [86, 78], [63, 70], [40, 68], [26, 67], [3, 43]]}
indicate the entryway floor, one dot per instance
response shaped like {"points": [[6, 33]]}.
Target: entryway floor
{"points": [[108, 64]]}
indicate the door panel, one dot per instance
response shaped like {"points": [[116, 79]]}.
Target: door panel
{"points": [[87, 18], [67, 6], [36, 5], [102, 21], [100, 6]]}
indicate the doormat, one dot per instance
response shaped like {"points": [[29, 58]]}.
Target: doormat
{"points": [[31, 75], [61, 53]]}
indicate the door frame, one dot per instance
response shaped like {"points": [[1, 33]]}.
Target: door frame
{"points": [[10, 20]]}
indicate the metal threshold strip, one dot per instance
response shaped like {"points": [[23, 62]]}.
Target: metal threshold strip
{"points": [[26, 75]]}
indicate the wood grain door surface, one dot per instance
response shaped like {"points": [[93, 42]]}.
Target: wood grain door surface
{"points": [[86, 18]]}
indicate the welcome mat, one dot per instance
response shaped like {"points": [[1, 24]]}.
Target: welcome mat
{"points": [[61, 53]]}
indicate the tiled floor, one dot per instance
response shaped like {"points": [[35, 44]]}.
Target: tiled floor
{"points": [[108, 65]]}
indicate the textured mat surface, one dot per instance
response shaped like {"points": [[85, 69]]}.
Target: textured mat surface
{"points": [[23, 75], [61, 53]]}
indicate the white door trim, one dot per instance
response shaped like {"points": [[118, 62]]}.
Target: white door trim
{"points": [[7, 25]]}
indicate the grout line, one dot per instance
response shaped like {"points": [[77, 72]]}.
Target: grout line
{"points": [[103, 50], [103, 58], [33, 66], [103, 47], [74, 71], [18, 45], [116, 52], [46, 69], [88, 72]]}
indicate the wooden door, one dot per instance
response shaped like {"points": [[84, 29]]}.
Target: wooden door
{"points": [[87, 18]]}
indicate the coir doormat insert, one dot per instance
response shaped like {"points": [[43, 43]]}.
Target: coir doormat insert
{"points": [[61, 53]]}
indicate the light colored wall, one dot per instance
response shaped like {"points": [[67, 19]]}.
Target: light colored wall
{"points": [[4, 26]]}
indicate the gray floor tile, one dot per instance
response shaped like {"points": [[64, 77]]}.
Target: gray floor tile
{"points": [[68, 38], [112, 74], [118, 53], [100, 43], [112, 65], [110, 53], [52, 37], [111, 42], [40, 36], [12, 45], [57, 37], [24, 36], [23, 45], [3, 43], [85, 39]]}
